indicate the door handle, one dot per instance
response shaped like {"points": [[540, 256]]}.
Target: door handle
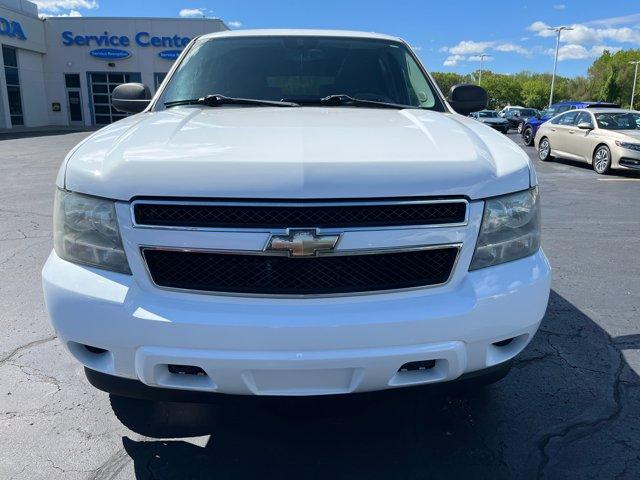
{"points": [[552, 129], [572, 131]]}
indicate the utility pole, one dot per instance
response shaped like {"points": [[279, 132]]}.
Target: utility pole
{"points": [[555, 61], [482, 55], [635, 77]]}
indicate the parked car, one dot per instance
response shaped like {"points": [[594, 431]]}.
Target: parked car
{"points": [[491, 118], [358, 235], [509, 109], [518, 116], [530, 127], [605, 138]]}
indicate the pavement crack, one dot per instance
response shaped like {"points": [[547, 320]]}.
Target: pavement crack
{"points": [[27, 346], [564, 430]]}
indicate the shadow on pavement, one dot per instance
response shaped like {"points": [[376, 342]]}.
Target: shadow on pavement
{"points": [[568, 409]]}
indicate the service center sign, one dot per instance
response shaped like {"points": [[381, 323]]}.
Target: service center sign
{"points": [[109, 44]]}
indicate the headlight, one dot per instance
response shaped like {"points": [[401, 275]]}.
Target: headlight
{"points": [[85, 230], [630, 146], [510, 229]]}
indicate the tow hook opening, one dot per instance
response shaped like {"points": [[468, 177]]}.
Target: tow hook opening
{"points": [[186, 370], [417, 366], [95, 350], [503, 343]]}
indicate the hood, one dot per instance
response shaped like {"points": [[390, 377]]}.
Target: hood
{"points": [[627, 135], [297, 153]]}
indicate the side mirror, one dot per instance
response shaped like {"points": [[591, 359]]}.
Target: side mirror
{"points": [[465, 98], [585, 126], [131, 97]]}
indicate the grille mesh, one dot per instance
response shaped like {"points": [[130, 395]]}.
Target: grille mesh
{"points": [[279, 275], [282, 216]]}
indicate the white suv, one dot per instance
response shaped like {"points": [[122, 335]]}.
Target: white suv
{"points": [[295, 213]]}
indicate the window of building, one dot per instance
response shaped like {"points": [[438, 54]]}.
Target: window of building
{"points": [[101, 86], [12, 76]]}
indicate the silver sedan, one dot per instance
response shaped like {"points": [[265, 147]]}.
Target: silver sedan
{"points": [[606, 138]]}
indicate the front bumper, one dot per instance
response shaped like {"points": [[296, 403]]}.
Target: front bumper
{"points": [[308, 346]]}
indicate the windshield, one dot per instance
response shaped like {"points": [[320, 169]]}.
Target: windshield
{"points": [[618, 121], [302, 70], [527, 112], [487, 114]]}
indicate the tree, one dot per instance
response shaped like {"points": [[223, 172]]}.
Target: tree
{"points": [[610, 91], [446, 80]]}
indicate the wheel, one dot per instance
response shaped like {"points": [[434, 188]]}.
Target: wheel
{"points": [[527, 136], [602, 160], [520, 127], [544, 150], [505, 130]]}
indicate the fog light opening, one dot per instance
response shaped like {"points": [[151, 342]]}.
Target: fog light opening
{"points": [[417, 366], [504, 343], [186, 370]]}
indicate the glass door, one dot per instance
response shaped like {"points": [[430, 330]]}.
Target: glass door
{"points": [[102, 85], [74, 98]]}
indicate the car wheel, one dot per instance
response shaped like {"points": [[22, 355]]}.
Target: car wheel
{"points": [[602, 160], [505, 130], [520, 127], [544, 150], [527, 136]]}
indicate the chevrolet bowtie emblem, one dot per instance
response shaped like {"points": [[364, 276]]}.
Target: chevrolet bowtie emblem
{"points": [[302, 243]]}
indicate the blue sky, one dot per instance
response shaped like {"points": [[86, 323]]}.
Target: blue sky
{"points": [[448, 35]]}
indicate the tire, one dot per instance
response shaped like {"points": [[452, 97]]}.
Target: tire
{"points": [[544, 150], [602, 160], [527, 136], [520, 127]]}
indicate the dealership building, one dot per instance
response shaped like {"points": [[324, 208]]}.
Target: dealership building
{"points": [[62, 70]]}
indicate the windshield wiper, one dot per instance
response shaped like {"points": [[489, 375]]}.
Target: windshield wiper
{"points": [[347, 100], [216, 100]]}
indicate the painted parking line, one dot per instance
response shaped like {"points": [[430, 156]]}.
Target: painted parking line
{"points": [[619, 179]]}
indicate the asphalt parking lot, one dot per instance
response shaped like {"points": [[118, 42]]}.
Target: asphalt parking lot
{"points": [[570, 408]]}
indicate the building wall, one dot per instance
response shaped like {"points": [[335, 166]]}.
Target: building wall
{"points": [[74, 58], [30, 50], [49, 48]]}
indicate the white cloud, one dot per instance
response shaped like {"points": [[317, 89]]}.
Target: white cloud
{"points": [[71, 13], [610, 22], [192, 13], [234, 24], [468, 47], [586, 35], [574, 51], [560, 6], [476, 58], [469, 50], [59, 6], [453, 60], [512, 47]]}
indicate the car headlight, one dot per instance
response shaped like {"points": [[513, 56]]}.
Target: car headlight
{"points": [[630, 146], [510, 229], [85, 230]]}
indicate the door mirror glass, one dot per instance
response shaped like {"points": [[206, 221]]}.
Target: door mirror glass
{"points": [[131, 97], [585, 126], [465, 98]]}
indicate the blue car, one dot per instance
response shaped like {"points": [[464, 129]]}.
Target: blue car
{"points": [[531, 124]]}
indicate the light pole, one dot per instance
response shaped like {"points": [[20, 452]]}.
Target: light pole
{"points": [[482, 55], [635, 76], [555, 61]]}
